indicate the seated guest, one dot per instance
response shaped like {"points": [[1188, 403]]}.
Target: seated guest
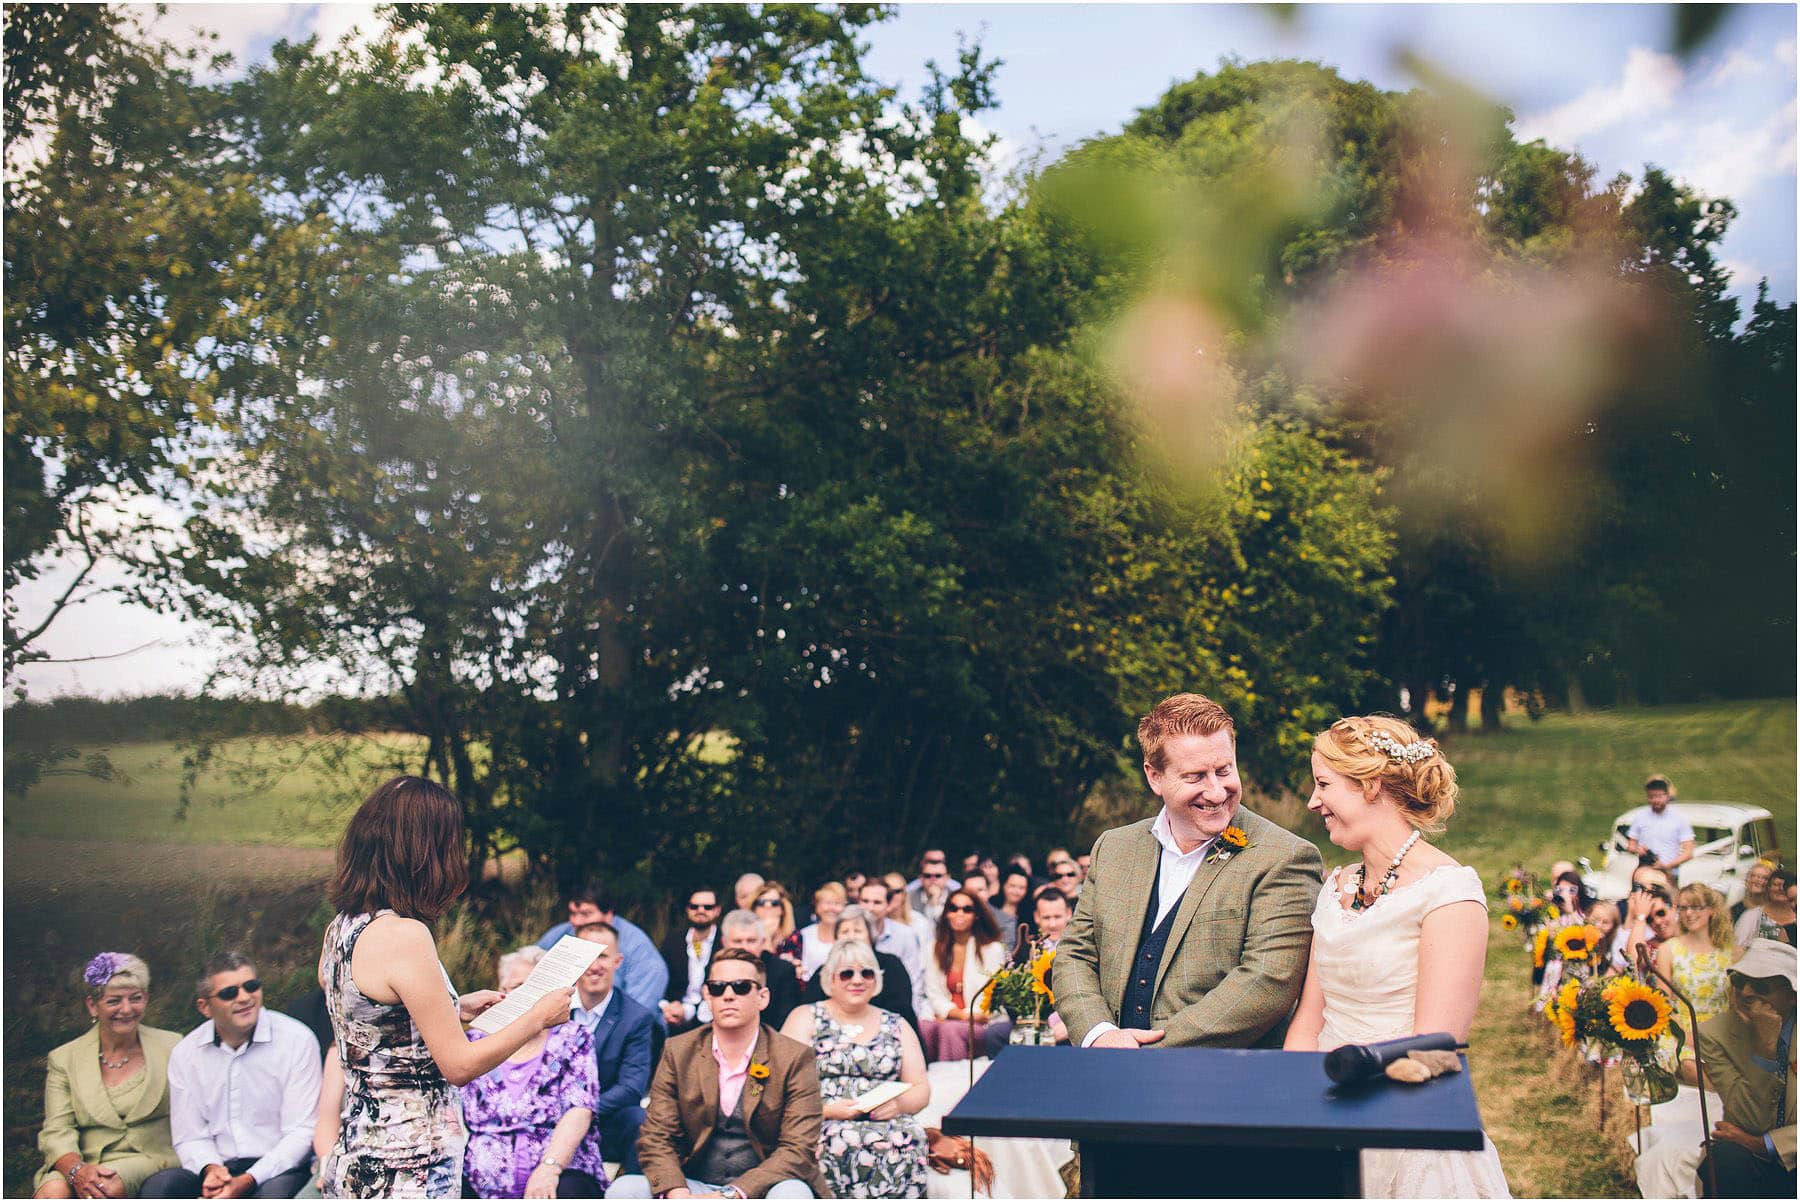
{"points": [[990, 874], [243, 1094], [1065, 874], [776, 909], [686, 954], [894, 992], [900, 909], [886, 935], [1009, 904], [931, 886], [744, 892], [1650, 888], [642, 974], [1774, 919], [734, 1107], [1756, 887], [1572, 896], [530, 1120], [1605, 919], [624, 1037], [815, 939], [747, 933], [106, 1092], [1748, 1050], [879, 1153], [967, 952], [1050, 914], [1697, 958], [1082, 862], [853, 880]]}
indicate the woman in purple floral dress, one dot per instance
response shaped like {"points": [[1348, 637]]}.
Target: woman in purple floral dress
{"points": [[530, 1120]]}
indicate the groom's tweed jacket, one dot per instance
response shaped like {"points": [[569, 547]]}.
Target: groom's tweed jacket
{"points": [[1236, 956]]}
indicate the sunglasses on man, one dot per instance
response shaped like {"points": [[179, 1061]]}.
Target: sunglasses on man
{"points": [[703, 907], [741, 988], [1070, 875], [230, 992]]}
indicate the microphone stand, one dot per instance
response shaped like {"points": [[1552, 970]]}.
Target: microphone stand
{"points": [[1648, 969]]}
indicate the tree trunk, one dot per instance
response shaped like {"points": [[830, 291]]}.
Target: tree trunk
{"points": [[1459, 708], [1493, 701]]}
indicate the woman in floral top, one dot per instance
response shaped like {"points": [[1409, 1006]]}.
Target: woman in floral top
{"points": [[879, 1153], [530, 1121], [1697, 959]]}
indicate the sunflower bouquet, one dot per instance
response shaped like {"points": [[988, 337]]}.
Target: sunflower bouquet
{"points": [[1022, 990], [1625, 1018]]}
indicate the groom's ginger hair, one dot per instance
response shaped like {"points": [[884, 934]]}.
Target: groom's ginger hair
{"points": [[1182, 714]]}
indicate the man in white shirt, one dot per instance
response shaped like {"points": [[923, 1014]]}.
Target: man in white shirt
{"points": [[243, 1094], [894, 939], [1660, 831], [688, 957]]}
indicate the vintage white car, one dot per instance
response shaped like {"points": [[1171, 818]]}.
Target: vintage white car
{"points": [[1728, 838]]}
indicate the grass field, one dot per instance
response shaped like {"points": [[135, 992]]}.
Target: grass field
{"points": [[243, 868]]}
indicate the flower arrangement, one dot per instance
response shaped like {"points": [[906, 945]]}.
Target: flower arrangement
{"points": [[1022, 990]]}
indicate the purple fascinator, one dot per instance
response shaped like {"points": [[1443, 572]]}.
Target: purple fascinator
{"points": [[101, 968]]}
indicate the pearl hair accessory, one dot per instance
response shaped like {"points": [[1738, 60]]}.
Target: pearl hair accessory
{"points": [[1400, 753]]}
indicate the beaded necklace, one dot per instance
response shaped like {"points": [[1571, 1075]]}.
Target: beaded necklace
{"points": [[1388, 880]]}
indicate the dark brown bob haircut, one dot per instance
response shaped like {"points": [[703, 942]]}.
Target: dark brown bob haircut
{"points": [[403, 851], [737, 955]]}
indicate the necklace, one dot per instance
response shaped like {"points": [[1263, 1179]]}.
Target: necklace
{"points": [[116, 1064], [1362, 901]]}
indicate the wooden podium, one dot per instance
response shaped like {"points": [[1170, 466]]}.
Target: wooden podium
{"points": [[1212, 1122]]}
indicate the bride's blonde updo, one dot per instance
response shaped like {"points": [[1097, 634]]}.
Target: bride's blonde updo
{"points": [[1385, 753]]}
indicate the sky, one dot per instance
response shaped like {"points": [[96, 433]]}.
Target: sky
{"points": [[1601, 79]]}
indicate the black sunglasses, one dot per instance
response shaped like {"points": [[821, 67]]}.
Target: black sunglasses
{"points": [[850, 974], [230, 992], [959, 909], [765, 902], [1070, 875], [741, 988], [703, 905]]}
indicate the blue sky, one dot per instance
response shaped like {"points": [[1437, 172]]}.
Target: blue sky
{"points": [[1601, 79]]}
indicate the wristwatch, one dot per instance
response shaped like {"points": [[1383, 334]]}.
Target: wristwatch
{"points": [[552, 1161]]}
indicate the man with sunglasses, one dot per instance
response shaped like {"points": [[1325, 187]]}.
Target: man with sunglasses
{"points": [[243, 1094], [1066, 875], [926, 894], [735, 1110], [686, 956], [1650, 890]]}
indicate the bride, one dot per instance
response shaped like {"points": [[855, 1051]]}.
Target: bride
{"points": [[1400, 938]]}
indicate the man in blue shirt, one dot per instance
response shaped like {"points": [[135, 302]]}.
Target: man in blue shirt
{"points": [[1660, 831], [642, 974]]}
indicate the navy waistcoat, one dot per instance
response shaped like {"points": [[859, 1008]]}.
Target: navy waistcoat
{"points": [[1140, 986]]}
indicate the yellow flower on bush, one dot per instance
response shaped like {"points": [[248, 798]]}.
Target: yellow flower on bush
{"points": [[1508, 922], [1538, 944], [1636, 1010], [1577, 942]]}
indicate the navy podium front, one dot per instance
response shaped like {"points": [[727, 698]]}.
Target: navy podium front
{"points": [[1211, 1122]]}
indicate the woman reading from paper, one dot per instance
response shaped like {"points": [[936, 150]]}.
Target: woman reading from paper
{"points": [[395, 1015], [1399, 937]]}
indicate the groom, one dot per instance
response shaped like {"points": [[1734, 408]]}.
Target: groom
{"points": [[1194, 926]]}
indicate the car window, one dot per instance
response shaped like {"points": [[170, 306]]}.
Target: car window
{"points": [[1762, 835], [1709, 834]]}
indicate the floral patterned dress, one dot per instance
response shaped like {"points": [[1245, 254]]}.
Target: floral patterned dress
{"points": [[401, 1133], [862, 1158], [1701, 975], [513, 1111]]}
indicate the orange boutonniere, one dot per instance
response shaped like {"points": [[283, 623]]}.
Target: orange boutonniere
{"points": [[759, 1072]]}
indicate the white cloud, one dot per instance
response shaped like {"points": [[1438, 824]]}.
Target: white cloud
{"points": [[332, 22], [1647, 85], [1744, 274], [1735, 160], [1739, 64], [1784, 51], [245, 30]]}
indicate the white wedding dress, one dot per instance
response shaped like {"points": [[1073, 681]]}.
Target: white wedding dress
{"points": [[1368, 968]]}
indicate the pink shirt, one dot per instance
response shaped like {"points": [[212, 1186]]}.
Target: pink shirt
{"points": [[731, 1077]]}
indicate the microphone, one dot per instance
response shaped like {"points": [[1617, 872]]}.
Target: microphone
{"points": [[1360, 1061]]}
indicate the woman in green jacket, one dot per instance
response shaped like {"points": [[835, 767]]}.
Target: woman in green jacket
{"points": [[106, 1096]]}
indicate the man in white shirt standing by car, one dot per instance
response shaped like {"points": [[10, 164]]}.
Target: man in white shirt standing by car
{"points": [[1659, 831], [243, 1094]]}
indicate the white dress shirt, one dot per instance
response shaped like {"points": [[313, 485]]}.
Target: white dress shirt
{"points": [[1175, 872], [258, 1100], [590, 1018], [696, 969], [898, 940]]}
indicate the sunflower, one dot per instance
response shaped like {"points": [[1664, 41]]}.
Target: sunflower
{"points": [[1508, 922], [1569, 996], [1636, 1010], [1514, 885], [1538, 944], [1577, 942], [1040, 968]]}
